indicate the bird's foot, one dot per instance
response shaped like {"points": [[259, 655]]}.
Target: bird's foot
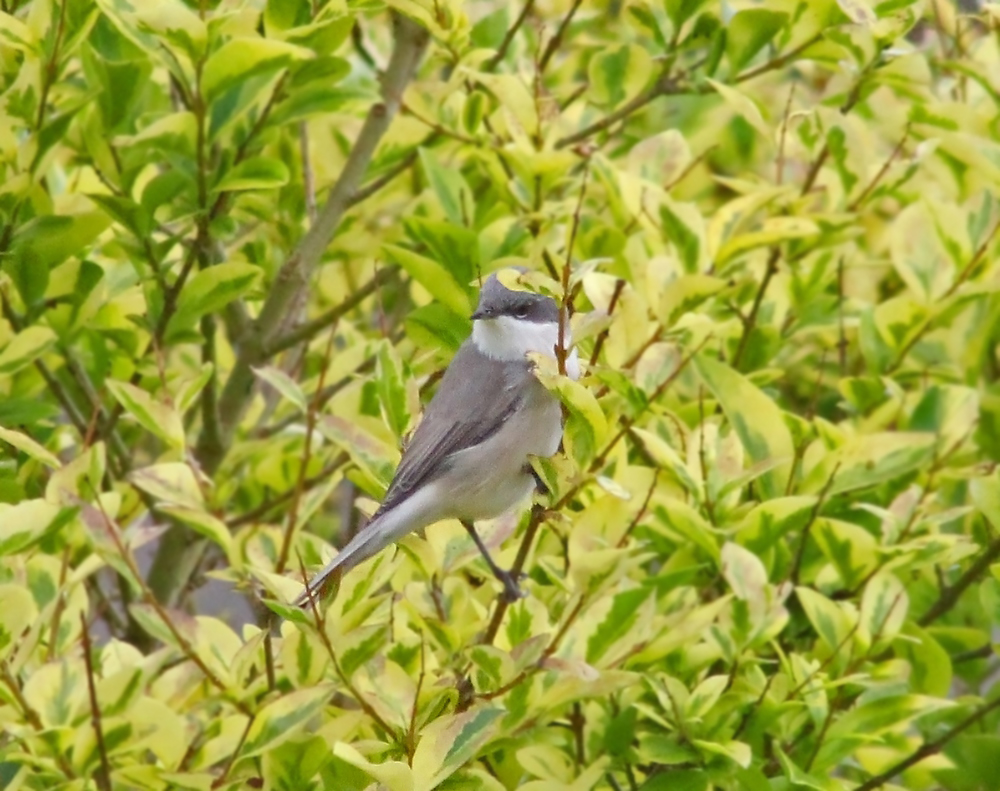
{"points": [[511, 590]]}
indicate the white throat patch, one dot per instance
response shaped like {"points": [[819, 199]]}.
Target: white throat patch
{"points": [[509, 339]]}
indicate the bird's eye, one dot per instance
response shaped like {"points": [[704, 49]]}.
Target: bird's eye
{"points": [[521, 312]]}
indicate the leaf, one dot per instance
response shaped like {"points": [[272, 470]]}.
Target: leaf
{"points": [[985, 494], [17, 612], [685, 228], [742, 105], [280, 719], [748, 32], [284, 384], [450, 187], [618, 73], [254, 173], [870, 459], [757, 420], [27, 445], [685, 294], [239, 59], [883, 608], [157, 418], [774, 231], [868, 719], [680, 11], [394, 775], [432, 276], [27, 522], [743, 571], [170, 482], [858, 11], [17, 35], [449, 742], [209, 291], [393, 393], [26, 347], [830, 622], [49, 240], [587, 427], [626, 608]]}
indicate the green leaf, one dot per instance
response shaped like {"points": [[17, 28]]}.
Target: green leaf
{"points": [[50, 239], [26, 347], [284, 384], [280, 719], [239, 59], [17, 35], [27, 445], [830, 621], [432, 276], [870, 459], [626, 608], [254, 173], [17, 612], [680, 11], [209, 291], [757, 420], [618, 73], [155, 417], [452, 191], [169, 482], [449, 742], [883, 607], [393, 393], [27, 522], [748, 32], [930, 665]]}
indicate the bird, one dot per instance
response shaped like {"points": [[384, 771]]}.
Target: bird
{"points": [[468, 458]]}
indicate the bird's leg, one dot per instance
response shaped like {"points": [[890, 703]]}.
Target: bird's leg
{"points": [[511, 591]]}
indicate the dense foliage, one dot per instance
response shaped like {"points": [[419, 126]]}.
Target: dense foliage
{"points": [[238, 243]]}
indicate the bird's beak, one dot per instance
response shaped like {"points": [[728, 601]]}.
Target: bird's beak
{"points": [[481, 314]]}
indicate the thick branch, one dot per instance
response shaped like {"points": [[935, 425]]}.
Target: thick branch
{"points": [[178, 555], [295, 275]]}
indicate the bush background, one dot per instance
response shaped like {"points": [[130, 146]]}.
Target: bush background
{"points": [[239, 242]]}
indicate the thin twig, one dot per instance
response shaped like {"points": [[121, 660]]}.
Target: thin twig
{"points": [[603, 336], [501, 52], [103, 776], [751, 319], [556, 41], [813, 515], [300, 482], [929, 748], [309, 329], [853, 206], [949, 596]]}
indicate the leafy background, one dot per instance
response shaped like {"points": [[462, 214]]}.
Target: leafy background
{"points": [[239, 242]]}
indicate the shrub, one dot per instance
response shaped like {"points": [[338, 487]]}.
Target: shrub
{"points": [[240, 240]]}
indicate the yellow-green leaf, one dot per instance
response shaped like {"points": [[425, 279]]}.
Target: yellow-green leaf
{"points": [[757, 420]]}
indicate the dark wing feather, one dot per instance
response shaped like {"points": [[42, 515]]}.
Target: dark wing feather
{"points": [[488, 385]]}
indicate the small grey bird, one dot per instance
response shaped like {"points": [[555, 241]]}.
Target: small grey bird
{"points": [[468, 458]]}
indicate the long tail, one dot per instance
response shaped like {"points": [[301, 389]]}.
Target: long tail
{"points": [[418, 510], [366, 543]]}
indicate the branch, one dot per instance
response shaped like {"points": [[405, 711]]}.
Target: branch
{"points": [[103, 777], [309, 329], [929, 748], [295, 275], [663, 86], [949, 596], [501, 53], [556, 41]]}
